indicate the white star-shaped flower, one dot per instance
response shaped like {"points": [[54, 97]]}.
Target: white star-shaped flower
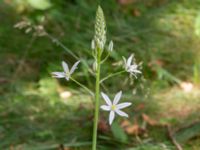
{"points": [[114, 107], [66, 73], [131, 68]]}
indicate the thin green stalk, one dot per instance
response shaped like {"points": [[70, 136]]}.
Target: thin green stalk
{"points": [[83, 86], [63, 46], [111, 75], [105, 58], [96, 114]]}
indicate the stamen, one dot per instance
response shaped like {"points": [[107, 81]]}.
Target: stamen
{"points": [[113, 107]]}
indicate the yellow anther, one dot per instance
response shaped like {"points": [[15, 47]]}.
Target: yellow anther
{"points": [[113, 107]]}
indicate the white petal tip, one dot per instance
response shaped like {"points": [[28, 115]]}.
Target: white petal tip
{"points": [[110, 123]]}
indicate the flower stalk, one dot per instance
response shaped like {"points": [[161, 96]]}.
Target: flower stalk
{"points": [[83, 86], [97, 91], [112, 75], [98, 47]]}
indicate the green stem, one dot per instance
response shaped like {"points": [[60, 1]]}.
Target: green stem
{"points": [[83, 86], [96, 114], [62, 45], [111, 75], [105, 58]]}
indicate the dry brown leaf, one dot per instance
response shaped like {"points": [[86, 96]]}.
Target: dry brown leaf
{"points": [[61, 147], [133, 129], [140, 107], [125, 2], [135, 39], [8, 1], [3, 80], [136, 13], [102, 125], [125, 123], [11, 147], [149, 120]]}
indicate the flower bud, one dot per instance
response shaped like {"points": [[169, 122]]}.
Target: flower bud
{"points": [[94, 66], [110, 46], [93, 45]]}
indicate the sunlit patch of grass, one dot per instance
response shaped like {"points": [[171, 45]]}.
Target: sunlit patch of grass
{"points": [[178, 104]]}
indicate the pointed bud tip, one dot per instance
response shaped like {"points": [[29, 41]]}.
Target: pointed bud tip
{"points": [[99, 8], [99, 11], [93, 45]]}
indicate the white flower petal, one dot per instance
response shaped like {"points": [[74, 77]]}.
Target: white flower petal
{"points": [[121, 113], [58, 74], [67, 78], [129, 60], [136, 71], [133, 67], [74, 67], [111, 117], [105, 107], [65, 66], [123, 105], [106, 98], [117, 97]]}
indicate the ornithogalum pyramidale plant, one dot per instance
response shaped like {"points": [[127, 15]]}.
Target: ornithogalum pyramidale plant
{"points": [[98, 47]]}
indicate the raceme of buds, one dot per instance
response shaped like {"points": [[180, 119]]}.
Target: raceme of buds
{"points": [[100, 29]]}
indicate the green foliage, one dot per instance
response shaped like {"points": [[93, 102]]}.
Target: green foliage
{"points": [[119, 133], [187, 133]]}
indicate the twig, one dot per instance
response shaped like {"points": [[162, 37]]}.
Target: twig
{"points": [[21, 62], [61, 147], [173, 140]]}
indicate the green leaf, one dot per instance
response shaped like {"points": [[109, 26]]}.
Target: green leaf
{"points": [[188, 133], [196, 73], [40, 4], [118, 132], [197, 25]]}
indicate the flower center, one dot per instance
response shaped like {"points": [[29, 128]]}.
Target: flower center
{"points": [[67, 74], [113, 107]]}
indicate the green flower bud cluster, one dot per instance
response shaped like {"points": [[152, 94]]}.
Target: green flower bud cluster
{"points": [[100, 29]]}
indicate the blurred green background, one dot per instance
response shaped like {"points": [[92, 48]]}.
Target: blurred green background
{"points": [[38, 112]]}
